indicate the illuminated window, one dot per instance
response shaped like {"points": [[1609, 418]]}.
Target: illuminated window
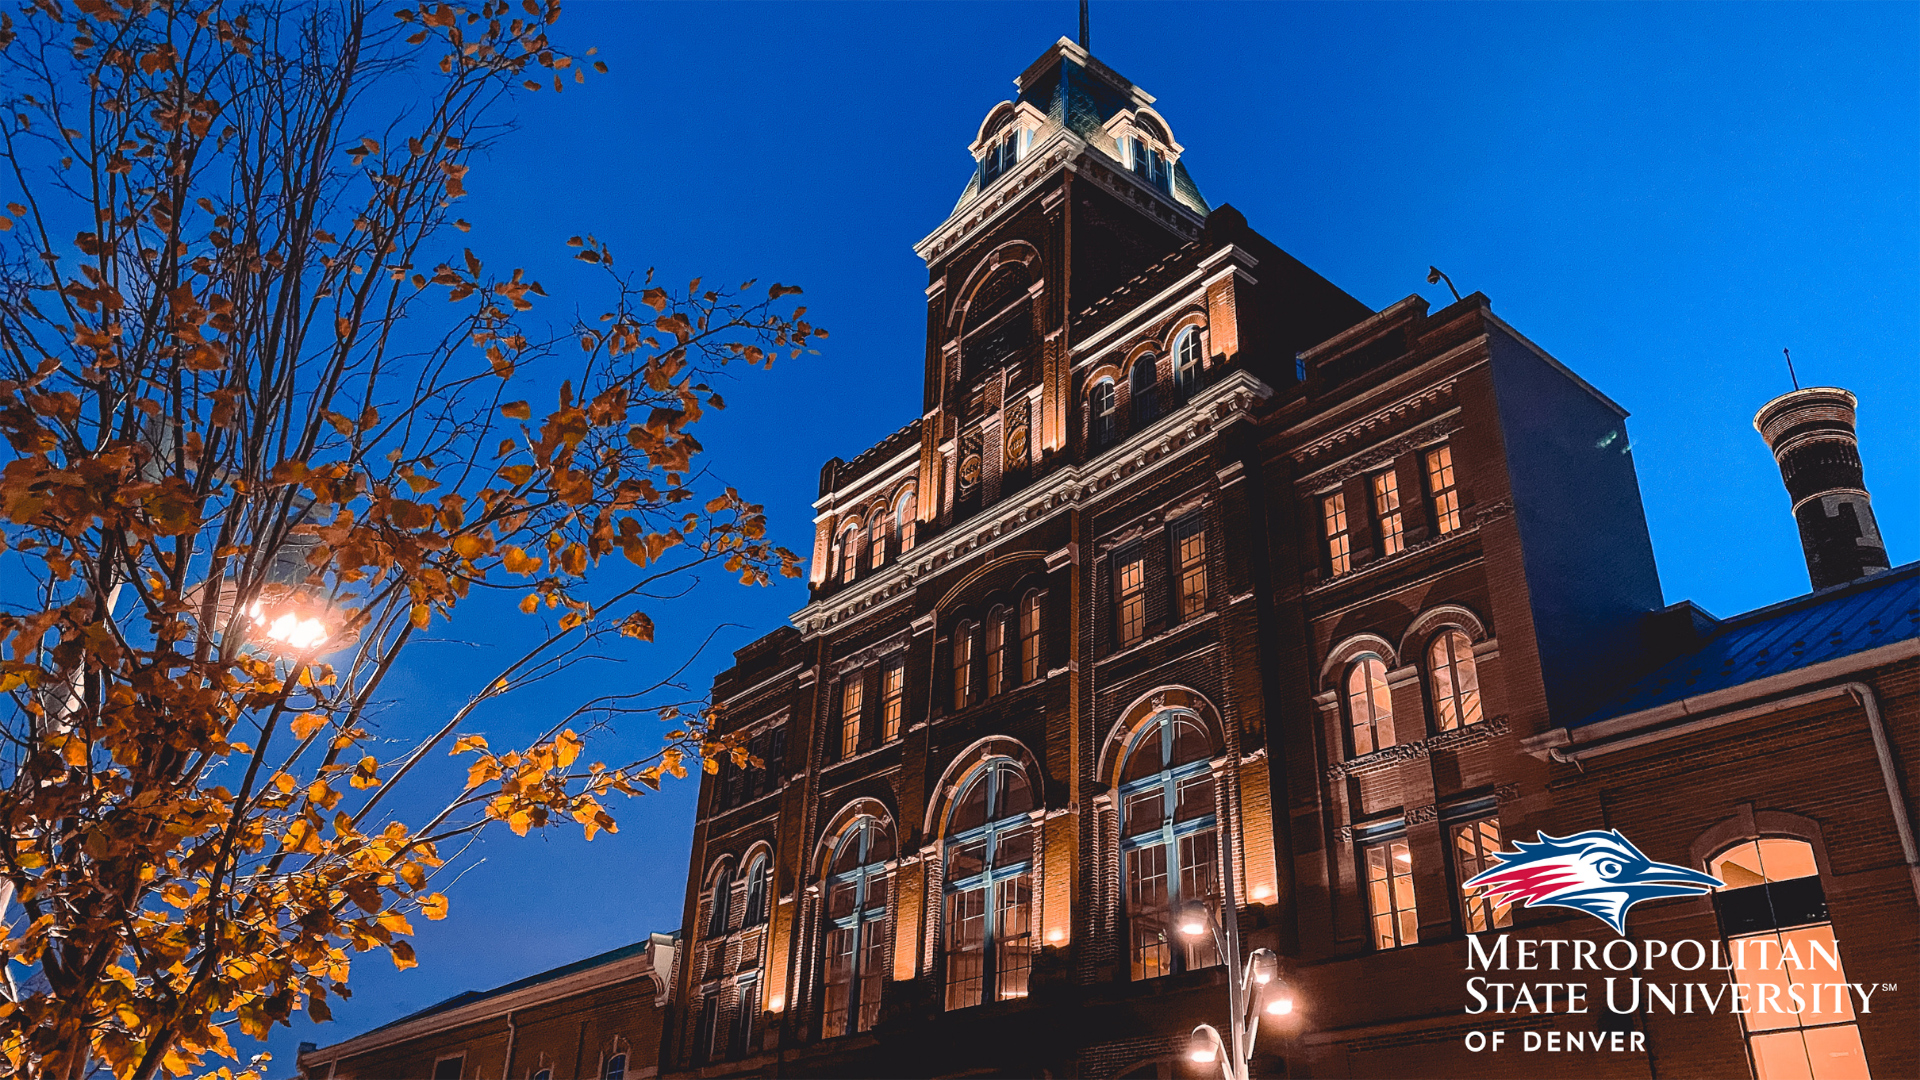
{"points": [[1186, 363], [1386, 513], [720, 903], [1142, 387], [996, 651], [1369, 705], [989, 886], [1440, 489], [1130, 597], [1774, 907], [849, 552], [893, 698], [962, 666], [906, 516], [1169, 848], [856, 915], [1333, 511], [852, 697], [1456, 684], [1030, 637], [1102, 405], [756, 893], [877, 539], [1390, 894], [1474, 843], [1190, 555]]}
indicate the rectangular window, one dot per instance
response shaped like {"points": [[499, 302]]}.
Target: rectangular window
{"points": [[1130, 597], [1441, 490], [1390, 894], [996, 652], [709, 1020], [852, 694], [962, 667], [1339, 544], [1474, 843], [1386, 513], [893, 699], [1030, 638], [449, 1068], [746, 1004], [1190, 555]]}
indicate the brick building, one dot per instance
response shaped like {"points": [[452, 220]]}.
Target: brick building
{"points": [[1194, 571], [596, 1017], [1191, 564]]}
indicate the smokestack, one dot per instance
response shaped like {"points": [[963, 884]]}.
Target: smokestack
{"points": [[1811, 435]]}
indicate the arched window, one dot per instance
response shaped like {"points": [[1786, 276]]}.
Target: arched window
{"points": [[543, 1074], [1030, 637], [616, 1068], [1369, 705], [1455, 682], [1169, 847], [1101, 406], [989, 873], [849, 550], [906, 514], [877, 539], [1186, 363], [720, 902], [756, 893], [856, 920], [962, 666], [996, 651], [1774, 907], [1143, 387]]}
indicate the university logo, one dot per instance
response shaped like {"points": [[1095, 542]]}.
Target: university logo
{"points": [[1598, 871]]}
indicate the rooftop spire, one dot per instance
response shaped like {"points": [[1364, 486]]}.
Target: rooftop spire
{"points": [[1086, 32]]}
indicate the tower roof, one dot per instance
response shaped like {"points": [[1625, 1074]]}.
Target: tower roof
{"points": [[1068, 89]]}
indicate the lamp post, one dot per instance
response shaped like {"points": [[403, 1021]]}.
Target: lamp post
{"points": [[1253, 991]]}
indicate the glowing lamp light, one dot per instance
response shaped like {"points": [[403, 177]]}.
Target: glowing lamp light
{"points": [[1261, 892], [776, 1003], [1056, 935], [287, 628], [1191, 918], [1265, 965], [1280, 1006], [1203, 1045]]}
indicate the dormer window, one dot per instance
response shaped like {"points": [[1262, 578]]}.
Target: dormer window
{"points": [[1003, 154], [1149, 163]]}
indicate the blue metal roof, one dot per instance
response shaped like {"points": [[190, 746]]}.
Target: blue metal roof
{"points": [[1797, 633]]}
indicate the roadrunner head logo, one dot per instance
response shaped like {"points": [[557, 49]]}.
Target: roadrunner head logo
{"points": [[1597, 871]]}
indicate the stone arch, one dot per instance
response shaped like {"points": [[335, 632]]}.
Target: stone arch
{"points": [[949, 603], [961, 768], [1434, 619], [997, 117], [1143, 709], [863, 806], [1013, 251], [1347, 651], [1751, 824]]}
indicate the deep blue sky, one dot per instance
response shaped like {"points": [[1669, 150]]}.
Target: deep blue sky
{"points": [[1663, 196]]}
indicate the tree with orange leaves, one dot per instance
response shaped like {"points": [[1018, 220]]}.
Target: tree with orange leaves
{"points": [[263, 433]]}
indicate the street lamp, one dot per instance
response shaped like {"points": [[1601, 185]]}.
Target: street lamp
{"points": [[1252, 990]]}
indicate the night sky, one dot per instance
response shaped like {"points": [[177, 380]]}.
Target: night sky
{"points": [[1662, 196]]}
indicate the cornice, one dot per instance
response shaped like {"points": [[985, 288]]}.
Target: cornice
{"points": [[1212, 408]]}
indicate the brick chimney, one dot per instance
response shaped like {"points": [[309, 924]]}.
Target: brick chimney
{"points": [[1811, 435]]}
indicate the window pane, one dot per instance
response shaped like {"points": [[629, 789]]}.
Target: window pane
{"points": [[1013, 847], [1386, 510], [1334, 515], [1146, 758], [967, 860], [1781, 1057], [1835, 1053], [893, 686], [966, 937], [1194, 798], [1146, 810], [839, 981], [1013, 947], [1016, 795], [1030, 638], [1440, 488], [872, 967], [1784, 860], [1147, 911], [1190, 553], [1190, 742], [996, 650]]}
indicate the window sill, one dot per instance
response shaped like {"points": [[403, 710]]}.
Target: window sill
{"points": [[1170, 632], [1429, 544]]}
